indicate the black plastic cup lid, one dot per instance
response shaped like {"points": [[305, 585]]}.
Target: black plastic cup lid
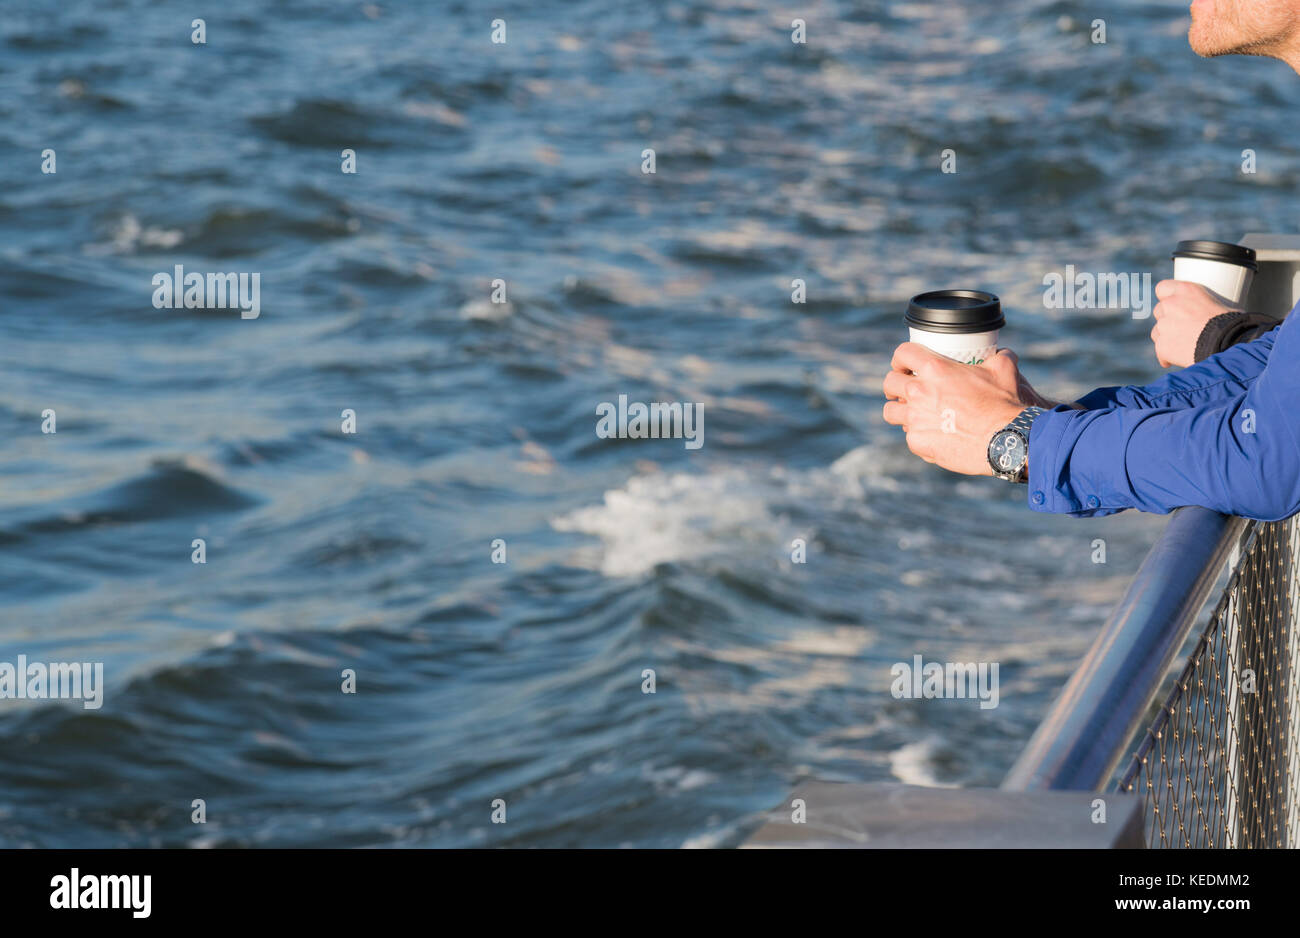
{"points": [[1221, 251], [955, 311]]}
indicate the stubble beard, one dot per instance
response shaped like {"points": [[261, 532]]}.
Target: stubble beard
{"points": [[1227, 30]]}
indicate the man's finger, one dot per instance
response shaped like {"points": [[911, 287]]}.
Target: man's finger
{"points": [[894, 412], [1167, 288], [1159, 358], [1001, 359], [912, 355], [1160, 311], [921, 444], [895, 386]]}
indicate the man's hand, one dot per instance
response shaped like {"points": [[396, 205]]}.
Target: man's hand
{"points": [[950, 411], [1181, 315], [1025, 391]]}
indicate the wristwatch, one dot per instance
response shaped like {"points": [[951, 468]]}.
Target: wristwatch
{"points": [[1009, 448]]}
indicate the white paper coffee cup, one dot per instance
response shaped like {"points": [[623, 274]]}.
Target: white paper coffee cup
{"points": [[969, 349], [1226, 270], [960, 324]]}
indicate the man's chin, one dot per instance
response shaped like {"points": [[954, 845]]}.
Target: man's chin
{"points": [[1202, 35], [1203, 45], [1207, 45]]}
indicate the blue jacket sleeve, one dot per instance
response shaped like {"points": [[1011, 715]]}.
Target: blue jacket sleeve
{"points": [[1220, 377], [1236, 454]]}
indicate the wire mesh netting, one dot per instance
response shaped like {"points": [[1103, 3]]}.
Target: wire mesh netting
{"points": [[1218, 766]]}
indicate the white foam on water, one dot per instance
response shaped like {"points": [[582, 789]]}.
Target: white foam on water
{"points": [[677, 777], [670, 517], [128, 235], [662, 518], [486, 311], [712, 839], [912, 764]]}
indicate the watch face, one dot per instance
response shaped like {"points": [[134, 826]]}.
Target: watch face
{"points": [[1007, 451]]}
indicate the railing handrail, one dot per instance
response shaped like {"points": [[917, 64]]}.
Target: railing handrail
{"points": [[1081, 741]]}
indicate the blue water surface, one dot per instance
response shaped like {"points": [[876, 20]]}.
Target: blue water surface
{"points": [[522, 163]]}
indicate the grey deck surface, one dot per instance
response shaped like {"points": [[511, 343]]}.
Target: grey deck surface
{"points": [[907, 816]]}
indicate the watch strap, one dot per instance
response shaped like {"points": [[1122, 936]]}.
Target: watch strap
{"points": [[1025, 419]]}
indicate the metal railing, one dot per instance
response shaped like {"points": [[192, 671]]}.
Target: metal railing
{"points": [[1220, 764], [1218, 761]]}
